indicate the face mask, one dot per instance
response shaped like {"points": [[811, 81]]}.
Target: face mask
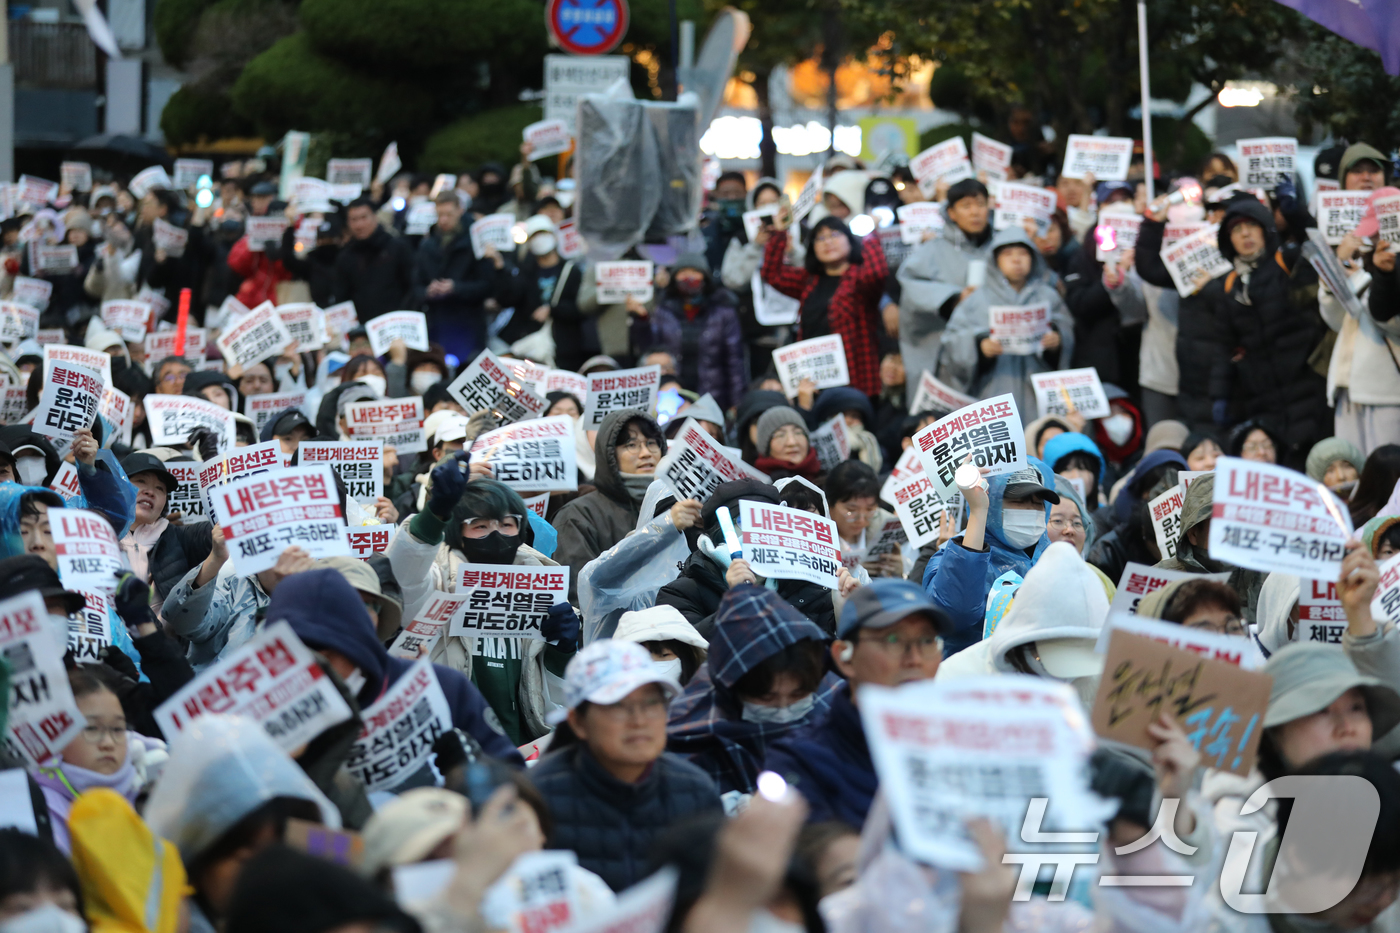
{"points": [[32, 470], [763, 921], [779, 715], [1022, 527], [376, 383], [1118, 428], [688, 287], [731, 207], [422, 382], [355, 681], [58, 631], [671, 668], [47, 919], [495, 548], [542, 244]]}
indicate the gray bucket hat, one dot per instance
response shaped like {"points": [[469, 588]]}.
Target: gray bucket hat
{"points": [[1308, 677]]}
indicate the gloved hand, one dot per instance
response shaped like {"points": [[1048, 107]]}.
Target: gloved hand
{"points": [[561, 627], [128, 678], [206, 442], [1220, 410], [449, 482], [133, 600], [1287, 192]]}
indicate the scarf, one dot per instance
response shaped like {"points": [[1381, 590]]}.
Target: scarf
{"points": [[137, 546], [637, 484], [1245, 266], [809, 468], [61, 785]]}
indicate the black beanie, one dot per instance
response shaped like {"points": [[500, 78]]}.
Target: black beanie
{"points": [[282, 890]]}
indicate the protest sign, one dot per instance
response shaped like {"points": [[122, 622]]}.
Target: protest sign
{"points": [[389, 164], [161, 344], [409, 326], [75, 176], [1266, 161], [571, 243], [421, 635], [1172, 232], [755, 219], [400, 729], [1388, 218], [264, 514], [55, 260], [489, 385], [531, 374], [985, 746], [261, 231], [349, 171], [933, 395], [1063, 391], [507, 602], [1239, 650], [13, 404], [945, 161], [1386, 603], [312, 195], [991, 158], [696, 464], [43, 716], [171, 418], [262, 408], [1019, 328], [1137, 580], [1220, 705], [359, 464], [1323, 258], [33, 292], [87, 550], [623, 279], [1165, 512], [169, 238], [642, 908], [821, 359], [989, 430], [772, 308], [341, 318], [919, 507], [538, 504], [39, 191], [17, 321], [188, 500], [919, 220], [560, 380], [1104, 157], [117, 413], [906, 466], [90, 630], [45, 336], [130, 319], [807, 198], [365, 541], [65, 483], [272, 679], [493, 230], [1115, 232], [69, 403], [1321, 617], [540, 893], [241, 462], [889, 538], [789, 544], [304, 324], [398, 423], [1189, 257], [188, 171], [619, 389], [548, 138], [257, 335], [531, 455], [1339, 212], [1017, 203], [832, 442], [1269, 518]]}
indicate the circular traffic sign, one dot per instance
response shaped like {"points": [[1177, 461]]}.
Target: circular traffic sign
{"points": [[587, 27]]}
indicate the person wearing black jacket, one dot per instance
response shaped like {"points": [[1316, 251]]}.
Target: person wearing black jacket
{"points": [[375, 268], [543, 290], [160, 552], [316, 266], [451, 284], [1101, 338]]}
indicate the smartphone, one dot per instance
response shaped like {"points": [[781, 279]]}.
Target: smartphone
{"points": [[668, 403]]}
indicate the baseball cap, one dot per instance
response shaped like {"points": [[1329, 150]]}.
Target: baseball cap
{"points": [[27, 572], [538, 223], [362, 577], [606, 671], [886, 601], [410, 826], [451, 429], [150, 463], [1026, 483], [289, 421]]}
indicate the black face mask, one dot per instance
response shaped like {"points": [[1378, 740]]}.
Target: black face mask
{"points": [[495, 548]]}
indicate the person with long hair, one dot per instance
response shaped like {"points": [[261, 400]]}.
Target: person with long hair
{"points": [[1377, 482]]}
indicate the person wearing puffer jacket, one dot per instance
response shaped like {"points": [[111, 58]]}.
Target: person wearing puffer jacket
{"points": [[697, 322]]}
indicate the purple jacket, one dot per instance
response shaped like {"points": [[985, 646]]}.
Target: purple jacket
{"points": [[720, 370]]}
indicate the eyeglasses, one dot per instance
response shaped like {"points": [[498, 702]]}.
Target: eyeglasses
{"points": [[650, 708], [828, 236], [93, 733], [1259, 447], [1059, 524], [855, 514], [508, 525], [893, 644], [1233, 626], [635, 446]]}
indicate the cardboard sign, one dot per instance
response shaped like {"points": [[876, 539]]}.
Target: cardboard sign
{"points": [[400, 729], [1124, 229], [548, 137], [696, 464], [188, 500], [1221, 706], [261, 231], [1266, 161], [1339, 213], [69, 403], [304, 323], [256, 336], [489, 385], [409, 326], [1189, 256], [17, 321], [169, 238], [1016, 203], [272, 679], [821, 359], [620, 389], [1238, 650], [991, 158], [617, 281], [531, 455], [989, 430], [188, 171], [368, 540], [43, 716], [494, 230], [1019, 328], [89, 557], [772, 308], [418, 638], [161, 344], [933, 395], [1070, 390], [398, 423], [171, 418], [349, 171], [130, 319], [1165, 511], [1270, 518], [946, 161], [75, 176], [920, 509], [265, 514], [360, 465], [39, 191], [1104, 157], [262, 408], [91, 629], [832, 442], [789, 544], [32, 292], [507, 602], [341, 318], [1321, 617]]}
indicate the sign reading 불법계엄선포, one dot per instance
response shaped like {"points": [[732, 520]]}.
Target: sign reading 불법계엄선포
{"points": [[620, 389], [1104, 157], [507, 601], [69, 403], [989, 431], [359, 464], [1165, 513]]}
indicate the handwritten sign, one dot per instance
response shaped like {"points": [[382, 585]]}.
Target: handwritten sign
{"points": [[531, 455], [789, 544], [821, 359], [1270, 518], [264, 514], [1104, 157], [508, 602], [989, 430], [1239, 650], [400, 729], [623, 279], [620, 389]]}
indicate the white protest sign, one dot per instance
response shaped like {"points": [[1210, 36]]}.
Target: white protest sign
{"points": [[617, 281], [13, 404], [538, 504], [241, 462], [1165, 512], [488, 384], [571, 244], [1321, 617], [492, 230], [1172, 232], [261, 408], [946, 161], [989, 430], [1241, 651], [91, 629], [991, 157], [349, 171], [1386, 603], [821, 359], [54, 259], [1019, 328], [32, 292], [832, 442], [1137, 580], [906, 466], [540, 892], [254, 337], [365, 541], [642, 908], [264, 514], [161, 344], [169, 238], [66, 484], [399, 729], [130, 319], [264, 230], [531, 374], [419, 637], [188, 499], [933, 395], [310, 194], [1270, 518], [187, 171], [918, 220], [569, 77], [341, 318], [1388, 218], [533, 455], [43, 716], [40, 191], [561, 380], [1124, 227], [507, 602], [69, 403], [88, 554], [696, 464], [272, 679], [171, 418], [389, 163], [75, 176], [1066, 390], [359, 464], [1104, 157], [789, 544], [1016, 203], [807, 197], [304, 323], [1266, 161], [18, 321], [1339, 212], [619, 389], [771, 307], [754, 219], [548, 137], [420, 217], [398, 423], [49, 335], [919, 507], [1190, 256], [409, 326]]}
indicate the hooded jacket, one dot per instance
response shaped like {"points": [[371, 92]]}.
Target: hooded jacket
{"points": [[829, 763], [1059, 599], [326, 612], [591, 524], [708, 349], [376, 273], [707, 724], [958, 580], [931, 278], [961, 363], [131, 879], [196, 381], [1195, 558], [1062, 445]]}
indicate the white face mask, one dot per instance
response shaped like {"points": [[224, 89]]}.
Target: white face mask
{"points": [[355, 681], [780, 714], [375, 382], [763, 921], [47, 919], [1118, 428], [32, 470], [542, 244], [671, 668], [1022, 527], [58, 631], [422, 382]]}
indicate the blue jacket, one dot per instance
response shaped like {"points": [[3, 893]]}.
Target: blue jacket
{"points": [[1062, 445], [958, 580], [829, 762], [326, 612]]}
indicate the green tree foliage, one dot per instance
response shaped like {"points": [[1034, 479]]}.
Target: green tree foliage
{"points": [[193, 114], [175, 22], [489, 136], [1351, 97]]}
